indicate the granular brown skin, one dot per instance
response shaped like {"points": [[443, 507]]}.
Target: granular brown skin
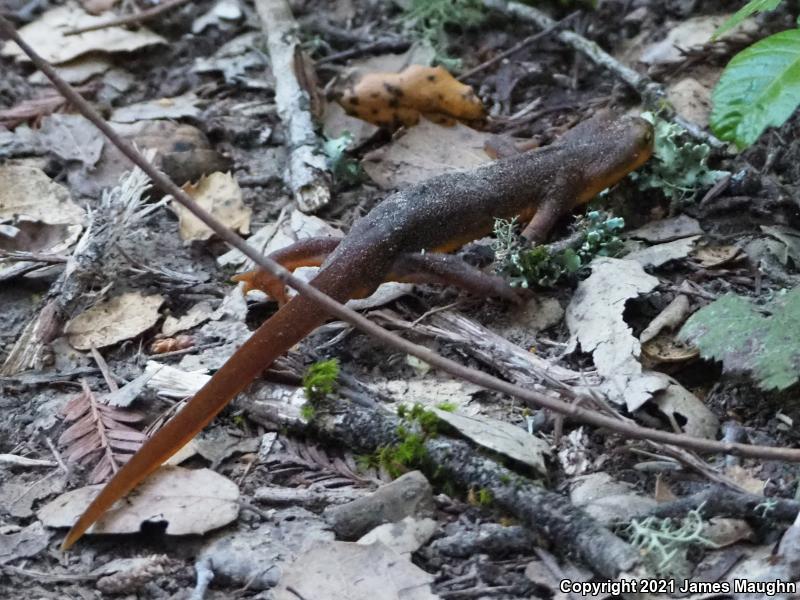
{"points": [[437, 215]]}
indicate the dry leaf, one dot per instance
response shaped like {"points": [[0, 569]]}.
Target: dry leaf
{"points": [[29, 191], [162, 108], [72, 137], [595, 320], [335, 570], [46, 34], [99, 429], [501, 437], [115, 320], [424, 152], [172, 344], [218, 193], [391, 99], [190, 501]]}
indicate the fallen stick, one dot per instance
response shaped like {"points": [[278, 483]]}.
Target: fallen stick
{"points": [[340, 311], [541, 510], [307, 175]]}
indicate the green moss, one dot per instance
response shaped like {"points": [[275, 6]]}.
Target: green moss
{"points": [[447, 406], [484, 497], [321, 379], [308, 411]]}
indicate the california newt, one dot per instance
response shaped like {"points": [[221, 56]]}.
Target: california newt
{"points": [[401, 239]]}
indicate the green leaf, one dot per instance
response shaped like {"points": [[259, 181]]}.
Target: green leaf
{"points": [[764, 341], [759, 88], [740, 15]]}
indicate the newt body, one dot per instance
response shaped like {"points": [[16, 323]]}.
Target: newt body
{"points": [[400, 240]]}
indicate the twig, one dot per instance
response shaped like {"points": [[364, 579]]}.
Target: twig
{"points": [[519, 46], [56, 455], [330, 306], [382, 46], [307, 176], [133, 19]]}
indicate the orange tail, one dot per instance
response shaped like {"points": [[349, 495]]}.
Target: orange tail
{"points": [[279, 333]]}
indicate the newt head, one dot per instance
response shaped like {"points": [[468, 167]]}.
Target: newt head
{"points": [[613, 151]]}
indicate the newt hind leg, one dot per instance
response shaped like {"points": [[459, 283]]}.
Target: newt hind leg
{"points": [[310, 252], [446, 269]]}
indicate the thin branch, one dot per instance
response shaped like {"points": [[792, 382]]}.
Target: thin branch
{"points": [[333, 308], [519, 46]]}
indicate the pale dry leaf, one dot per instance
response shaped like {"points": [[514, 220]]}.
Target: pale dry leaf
{"points": [[179, 107], [501, 437], [72, 138], [691, 99], [46, 34], [189, 501], [120, 318], [29, 191], [218, 193], [335, 570], [595, 320], [196, 315], [655, 256], [667, 230], [425, 151], [687, 34], [23, 544], [687, 410], [608, 500]]}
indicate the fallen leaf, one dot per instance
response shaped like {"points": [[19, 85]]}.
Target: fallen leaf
{"points": [[336, 570], [224, 15], [190, 501], [29, 191], [96, 7], [196, 315], [660, 254], [46, 34], [72, 137], [179, 107], [595, 320], [391, 99], [691, 100], [501, 437], [711, 257], [664, 348], [687, 410], [77, 70], [23, 544], [608, 500], [120, 318], [667, 230], [424, 152], [218, 193], [234, 58], [691, 33]]}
